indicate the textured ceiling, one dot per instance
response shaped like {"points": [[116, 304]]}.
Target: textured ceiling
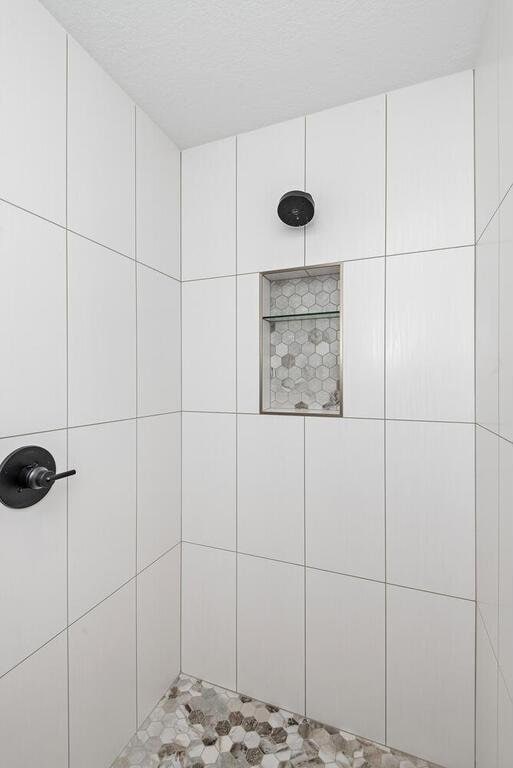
{"points": [[204, 69]]}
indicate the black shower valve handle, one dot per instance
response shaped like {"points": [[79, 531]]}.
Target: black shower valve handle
{"points": [[38, 477]]}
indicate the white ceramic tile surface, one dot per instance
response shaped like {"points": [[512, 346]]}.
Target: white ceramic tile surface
{"points": [[208, 210], [430, 184], [33, 151], [363, 338], [486, 700], [506, 319], [271, 665], [505, 735], [487, 529], [102, 685], [270, 162], [429, 336], [34, 706], [33, 319], [208, 614], [345, 640], [506, 562], [158, 197], [430, 676], [101, 337], [158, 343], [270, 487], [158, 630], [209, 479], [101, 512], [101, 159], [248, 343], [487, 327], [158, 486], [505, 95], [345, 500], [430, 506], [345, 174], [33, 562]]}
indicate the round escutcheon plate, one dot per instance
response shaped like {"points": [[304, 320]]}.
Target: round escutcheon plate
{"points": [[12, 494]]}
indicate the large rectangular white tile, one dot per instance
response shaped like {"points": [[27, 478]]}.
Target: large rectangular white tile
{"points": [[33, 561], [506, 319], [271, 665], [505, 96], [506, 562], [430, 179], [248, 343], [430, 506], [345, 174], [158, 343], [101, 159], [101, 333], [208, 614], [345, 498], [34, 706], [486, 699], [158, 197], [102, 681], [430, 676], [209, 479], [486, 119], [271, 487], [270, 162], [158, 486], [32, 302], [430, 336], [345, 664], [209, 192], [487, 529], [33, 125], [208, 345], [102, 524], [363, 338], [158, 630], [505, 731], [487, 327]]}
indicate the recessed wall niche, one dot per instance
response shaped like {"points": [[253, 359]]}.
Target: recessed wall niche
{"points": [[301, 341]]}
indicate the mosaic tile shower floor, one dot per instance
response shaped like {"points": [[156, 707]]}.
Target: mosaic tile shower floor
{"points": [[196, 724]]}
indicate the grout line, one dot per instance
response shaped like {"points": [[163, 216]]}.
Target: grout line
{"points": [[385, 428], [33, 213], [36, 650], [236, 420], [136, 274], [353, 418], [474, 350], [180, 586], [496, 434], [305, 606], [68, 705]]}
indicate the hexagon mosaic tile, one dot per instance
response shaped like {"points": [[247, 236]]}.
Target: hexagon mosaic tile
{"points": [[197, 724]]}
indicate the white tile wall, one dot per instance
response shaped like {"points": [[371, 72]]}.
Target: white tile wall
{"points": [[33, 562], [208, 342], [505, 57], [34, 706], [430, 184], [505, 735], [158, 339], [271, 487], [486, 700], [208, 614], [33, 319], [344, 497], [506, 319], [158, 486], [158, 630], [209, 479], [345, 174], [100, 155], [270, 162], [345, 641], [158, 198], [272, 592], [506, 562], [430, 676], [363, 338], [208, 210], [102, 685], [101, 333], [487, 327], [33, 151], [429, 336], [248, 343], [487, 529], [430, 506], [102, 512]]}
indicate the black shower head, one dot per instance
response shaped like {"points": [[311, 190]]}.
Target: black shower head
{"points": [[296, 208]]}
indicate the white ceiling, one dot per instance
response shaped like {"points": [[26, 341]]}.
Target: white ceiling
{"points": [[204, 69]]}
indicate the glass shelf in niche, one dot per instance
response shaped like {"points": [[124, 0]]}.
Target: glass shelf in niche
{"points": [[302, 316]]}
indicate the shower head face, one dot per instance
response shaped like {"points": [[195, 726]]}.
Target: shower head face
{"points": [[296, 208]]}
